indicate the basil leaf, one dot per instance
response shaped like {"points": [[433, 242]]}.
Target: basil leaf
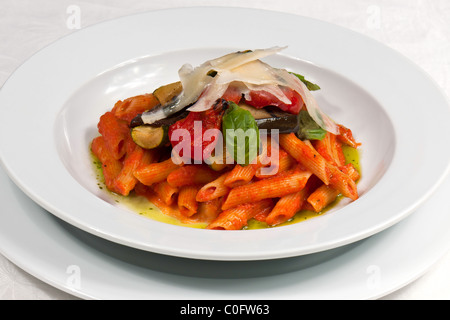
{"points": [[308, 128], [241, 134], [311, 86]]}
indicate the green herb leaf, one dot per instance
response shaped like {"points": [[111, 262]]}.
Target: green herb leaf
{"points": [[241, 134], [311, 86], [308, 128]]}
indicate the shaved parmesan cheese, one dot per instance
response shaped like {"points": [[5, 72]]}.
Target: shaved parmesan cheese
{"points": [[255, 75], [236, 59], [196, 80], [245, 71]]}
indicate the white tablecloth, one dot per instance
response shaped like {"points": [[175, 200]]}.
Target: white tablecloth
{"points": [[419, 29]]}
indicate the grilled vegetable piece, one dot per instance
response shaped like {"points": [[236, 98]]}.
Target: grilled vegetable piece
{"points": [[167, 96], [168, 92], [255, 112], [273, 118], [285, 124], [150, 137], [137, 121], [172, 119], [302, 124]]}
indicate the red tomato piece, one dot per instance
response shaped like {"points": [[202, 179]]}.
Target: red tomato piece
{"points": [[260, 99], [232, 94], [209, 119]]}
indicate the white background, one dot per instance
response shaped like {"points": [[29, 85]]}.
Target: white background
{"points": [[419, 29]]}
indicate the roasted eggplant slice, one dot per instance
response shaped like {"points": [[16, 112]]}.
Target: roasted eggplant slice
{"points": [[150, 137], [273, 118], [302, 124], [285, 124], [137, 121]]}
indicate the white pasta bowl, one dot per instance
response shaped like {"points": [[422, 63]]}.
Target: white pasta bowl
{"points": [[49, 110]]}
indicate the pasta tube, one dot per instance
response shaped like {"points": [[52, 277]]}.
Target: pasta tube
{"points": [[274, 187]]}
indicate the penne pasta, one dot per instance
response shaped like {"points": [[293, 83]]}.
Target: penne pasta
{"points": [[322, 197], [306, 155], [99, 149], [240, 175], [284, 163], [187, 204], [313, 161], [166, 192], [325, 195], [191, 174], [111, 167], [262, 215], [155, 172], [343, 183], [274, 187], [236, 218], [286, 207], [129, 108], [213, 190], [331, 149], [125, 180], [149, 156], [208, 211], [346, 136], [350, 170], [115, 132], [153, 197]]}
